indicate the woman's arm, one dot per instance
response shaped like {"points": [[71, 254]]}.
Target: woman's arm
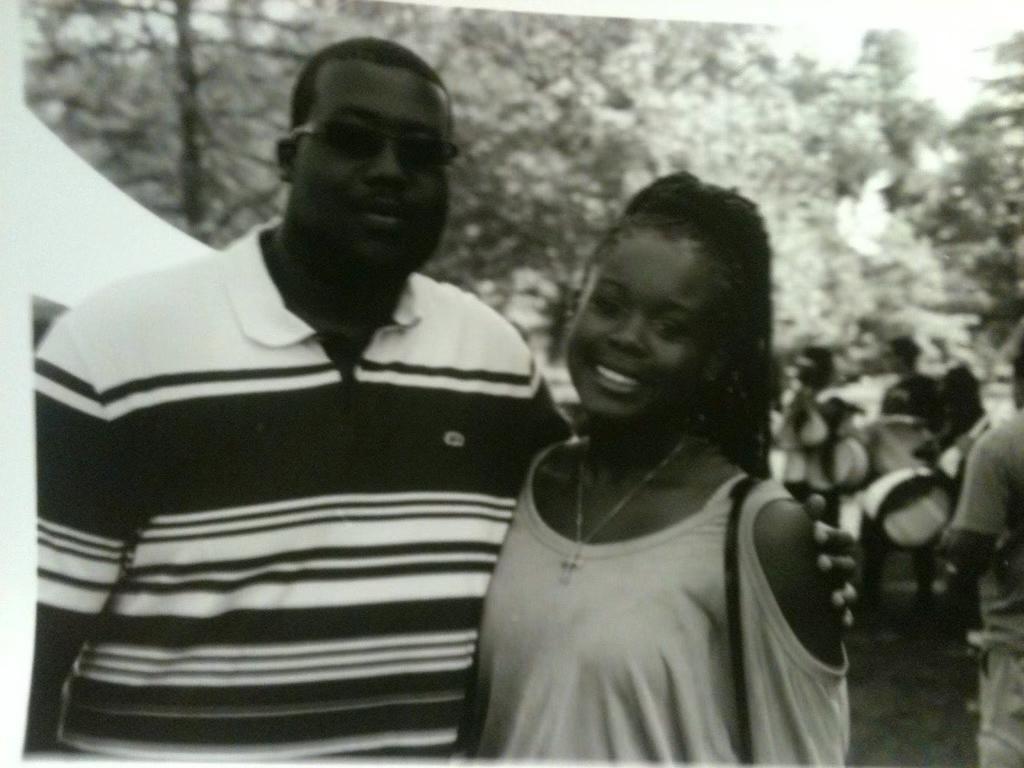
{"points": [[784, 540]]}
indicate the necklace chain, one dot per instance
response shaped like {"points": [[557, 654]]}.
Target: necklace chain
{"points": [[568, 566]]}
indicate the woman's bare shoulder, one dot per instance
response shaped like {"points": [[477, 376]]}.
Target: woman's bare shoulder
{"points": [[785, 546]]}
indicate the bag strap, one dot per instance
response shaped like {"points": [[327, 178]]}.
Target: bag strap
{"points": [[739, 494]]}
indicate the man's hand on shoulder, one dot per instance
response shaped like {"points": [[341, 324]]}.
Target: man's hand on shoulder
{"points": [[836, 557]]}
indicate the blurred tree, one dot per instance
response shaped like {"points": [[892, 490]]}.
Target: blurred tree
{"points": [[561, 118], [974, 212], [168, 99]]}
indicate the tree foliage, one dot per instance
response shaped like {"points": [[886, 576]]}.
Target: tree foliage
{"points": [[873, 206]]}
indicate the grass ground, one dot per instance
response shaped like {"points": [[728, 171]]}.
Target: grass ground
{"points": [[912, 682]]}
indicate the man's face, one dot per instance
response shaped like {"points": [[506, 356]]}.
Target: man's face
{"points": [[368, 205]]}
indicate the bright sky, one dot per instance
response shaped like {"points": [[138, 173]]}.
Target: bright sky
{"points": [[951, 36], [953, 57]]}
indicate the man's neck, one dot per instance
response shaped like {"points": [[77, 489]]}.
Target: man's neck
{"points": [[349, 304]]}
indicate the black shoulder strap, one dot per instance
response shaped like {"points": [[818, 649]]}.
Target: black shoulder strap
{"points": [[739, 494]]}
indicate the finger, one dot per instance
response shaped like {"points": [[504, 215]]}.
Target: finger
{"points": [[850, 594], [844, 596], [814, 506], [843, 565], [835, 538], [848, 618]]}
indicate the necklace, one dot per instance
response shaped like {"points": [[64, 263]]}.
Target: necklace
{"points": [[575, 560]]}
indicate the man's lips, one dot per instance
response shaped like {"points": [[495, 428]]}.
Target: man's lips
{"points": [[382, 215], [381, 220]]}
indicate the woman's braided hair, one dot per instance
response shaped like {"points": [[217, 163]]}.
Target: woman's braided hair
{"points": [[733, 408]]}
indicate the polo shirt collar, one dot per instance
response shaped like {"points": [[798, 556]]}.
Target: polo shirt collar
{"points": [[260, 309]]}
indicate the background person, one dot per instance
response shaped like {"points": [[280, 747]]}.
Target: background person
{"points": [[965, 421], [986, 540], [822, 454], [803, 427], [914, 393], [903, 438]]}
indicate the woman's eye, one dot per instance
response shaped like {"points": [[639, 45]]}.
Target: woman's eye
{"points": [[605, 305], [672, 328]]}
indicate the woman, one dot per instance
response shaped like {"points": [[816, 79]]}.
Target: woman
{"points": [[605, 634]]}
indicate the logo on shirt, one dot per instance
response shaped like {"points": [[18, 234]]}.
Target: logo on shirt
{"points": [[454, 439]]}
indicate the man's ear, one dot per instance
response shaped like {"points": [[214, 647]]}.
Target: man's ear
{"points": [[286, 149]]}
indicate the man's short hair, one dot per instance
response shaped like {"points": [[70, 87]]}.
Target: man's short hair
{"points": [[369, 49]]}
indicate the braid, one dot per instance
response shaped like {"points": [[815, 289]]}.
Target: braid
{"points": [[731, 231]]}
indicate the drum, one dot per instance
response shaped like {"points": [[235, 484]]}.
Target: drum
{"points": [[912, 505], [895, 442], [849, 465]]}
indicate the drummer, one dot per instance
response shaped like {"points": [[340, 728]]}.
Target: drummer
{"points": [[902, 438], [914, 393], [821, 454]]}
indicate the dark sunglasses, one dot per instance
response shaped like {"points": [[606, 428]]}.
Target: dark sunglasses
{"points": [[356, 141]]}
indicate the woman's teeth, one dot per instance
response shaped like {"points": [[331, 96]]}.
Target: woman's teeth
{"points": [[615, 380]]}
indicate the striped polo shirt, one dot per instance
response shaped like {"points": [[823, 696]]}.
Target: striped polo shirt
{"points": [[287, 561]]}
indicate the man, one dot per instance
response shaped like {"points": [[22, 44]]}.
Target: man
{"points": [[903, 439], [986, 539], [273, 483], [914, 393]]}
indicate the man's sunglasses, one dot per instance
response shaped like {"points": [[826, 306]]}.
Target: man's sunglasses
{"points": [[362, 142]]}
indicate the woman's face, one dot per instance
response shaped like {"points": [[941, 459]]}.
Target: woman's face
{"points": [[643, 338]]}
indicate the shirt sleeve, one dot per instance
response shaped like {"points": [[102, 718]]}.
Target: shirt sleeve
{"points": [[984, 500], [81, 527]]}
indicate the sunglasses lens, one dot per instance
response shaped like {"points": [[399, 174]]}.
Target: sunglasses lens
{"points": [[423, 152], [360, 142], [355, 141]]}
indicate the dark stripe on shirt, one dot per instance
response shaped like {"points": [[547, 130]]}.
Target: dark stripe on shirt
{"points": [[316, 726], [340, 575], [317, 553], [114, 558], [204, 377], [339, 504], [67, 380], [494, 377], [340, 517], [278, 625]]}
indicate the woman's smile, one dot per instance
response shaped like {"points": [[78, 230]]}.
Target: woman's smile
{"points": [[639, 343], [616, 382]]}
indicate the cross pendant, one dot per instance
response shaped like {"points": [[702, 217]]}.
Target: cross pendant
{"points": [[568, 566]]}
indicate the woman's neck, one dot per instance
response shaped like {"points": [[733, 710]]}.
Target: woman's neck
{"points": [[616, 452]]}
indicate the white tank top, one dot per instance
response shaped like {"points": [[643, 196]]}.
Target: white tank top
{"points": [[629, 660]]}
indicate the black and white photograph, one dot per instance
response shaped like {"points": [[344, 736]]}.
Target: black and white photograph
{"points": [[539, 382]]}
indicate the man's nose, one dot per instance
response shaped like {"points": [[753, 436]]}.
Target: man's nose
{"points": [[386, 164]]}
